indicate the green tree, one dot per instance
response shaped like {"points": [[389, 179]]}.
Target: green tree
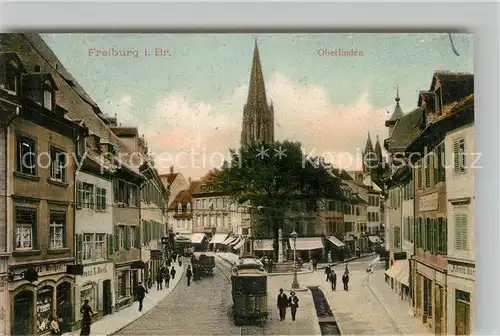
{"points": [[271, 176]]}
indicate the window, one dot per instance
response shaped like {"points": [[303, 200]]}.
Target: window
{"points": [[100, 251], [11, 77], [100, 199], [462, 313], [88, 292], [57, 165], [122, 284], [428, 169], [57, 224], [130, 237], [26, 156], [461, 232], [87, 246], [26, 220], [419, 174], [132, 195], [121, 237], [459, 155], [47, 100], [439, 102], [88, 195], [120, 188], [441, 164], [179, 207]]}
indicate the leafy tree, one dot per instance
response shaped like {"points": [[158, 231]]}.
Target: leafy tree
{"points": [[272, 176]]}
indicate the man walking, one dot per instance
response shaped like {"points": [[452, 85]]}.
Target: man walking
{"points": [[293, 302], [328, 270], [159, 280], [189, 274], [282, 303], [166, 276], [141, 294], [172, 272], [333, 279], [86, 311], [345, 280]]}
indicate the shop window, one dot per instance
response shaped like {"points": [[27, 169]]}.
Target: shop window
{"points": [[462, 313], [89, 292], [23, 311], [44, 306], [122, 284]]}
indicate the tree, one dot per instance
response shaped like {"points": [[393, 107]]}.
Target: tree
{"points": [[272, 176]]}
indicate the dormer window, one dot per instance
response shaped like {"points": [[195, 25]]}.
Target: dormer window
{"points": [[47, 99], [40, 88], [11, 77]]}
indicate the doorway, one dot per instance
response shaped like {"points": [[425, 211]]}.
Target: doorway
{"points": [[22, 317], [64, 306], [135, 283], [106, 297]]}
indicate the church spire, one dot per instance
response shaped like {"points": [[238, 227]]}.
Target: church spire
{"points": [[256, 89], [369, 145]]}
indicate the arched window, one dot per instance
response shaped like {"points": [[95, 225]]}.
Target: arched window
{"points": [[44, 308], [89, 292]]}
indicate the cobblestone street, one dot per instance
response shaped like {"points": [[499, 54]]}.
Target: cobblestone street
{"points": [[204, 308]]}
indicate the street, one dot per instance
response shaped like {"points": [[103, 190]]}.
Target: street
{"points": [[204, 308]]}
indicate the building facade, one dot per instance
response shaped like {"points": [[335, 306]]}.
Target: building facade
{"points": [[459, 152], [94, 235], [43, 150]]}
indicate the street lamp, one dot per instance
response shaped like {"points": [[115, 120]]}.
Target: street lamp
{"points": [[295, 283]]}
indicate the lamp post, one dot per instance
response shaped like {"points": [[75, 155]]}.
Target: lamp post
{"points": [[295, 283]]}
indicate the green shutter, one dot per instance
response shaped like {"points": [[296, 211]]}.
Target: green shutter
{"points": [[78, 194], [137, 236], [79, 248], [127, 240], [109, 245], [445, 235], [117, 237]]}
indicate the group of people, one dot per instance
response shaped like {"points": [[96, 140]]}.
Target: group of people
{"points": [[285, 301], [331, 277]]}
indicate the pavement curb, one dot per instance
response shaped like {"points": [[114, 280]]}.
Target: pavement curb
{"points": [[271, 274], [377, 296], [337, 263], [150, 309], [317, 328], [331, 308]]}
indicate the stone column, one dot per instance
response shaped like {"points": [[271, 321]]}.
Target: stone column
{"points": [[280, 246]]}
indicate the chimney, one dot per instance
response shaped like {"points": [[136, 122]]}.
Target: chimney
{"points": [[37, 68], [171, 169]]}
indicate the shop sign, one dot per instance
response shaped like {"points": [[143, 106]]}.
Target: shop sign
{"points": [[429, 202], [462, 270], [47, 269], [94, 270]]}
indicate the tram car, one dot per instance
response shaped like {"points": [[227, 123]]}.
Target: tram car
{"points": [[182, 245], [249, 291], [206, 262]]}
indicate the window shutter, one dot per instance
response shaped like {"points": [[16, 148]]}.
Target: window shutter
{"points": [[109, 246], [465, 244], [127, 237], [79, 248], [444, 226], [456, 154], [117, 237], [79, 195], [137, 236]]}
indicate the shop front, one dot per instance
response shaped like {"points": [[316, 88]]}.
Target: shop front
{"points": [[33, 305], [127, 278], [95, 285], [461, 307]]}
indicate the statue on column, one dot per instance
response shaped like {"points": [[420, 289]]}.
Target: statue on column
{"points": [[280, 246]]}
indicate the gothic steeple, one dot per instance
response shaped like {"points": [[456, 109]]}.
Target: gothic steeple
{"points": [[369, 145], [258, 116], [378, 151], [396, 114]]}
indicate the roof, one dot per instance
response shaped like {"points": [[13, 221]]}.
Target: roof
{"points": [[455, 85], [125, 131], [169, 177], [398, 112], [185, 196], [406, 129]]}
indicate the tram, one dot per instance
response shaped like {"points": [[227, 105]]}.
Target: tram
{"points": [[249, 291]]}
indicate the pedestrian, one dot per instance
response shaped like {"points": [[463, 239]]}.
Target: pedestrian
{"points": [[293, 302], [159, 280], [54, 326], [333, 279], [175, 257], [180, 261], [141, 294], [87, 312], [166, 277], [189, 274], [345, 280], [282, 303], [172, 272], [315, 265], [328, 270], [271, 265]]}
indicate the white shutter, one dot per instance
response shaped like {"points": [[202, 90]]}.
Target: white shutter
{"points": [[464, 232]]}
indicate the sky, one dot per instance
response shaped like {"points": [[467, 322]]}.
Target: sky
{"points": [[186, 92]]}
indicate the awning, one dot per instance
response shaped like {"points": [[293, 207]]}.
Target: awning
{"points": [[229, 240], [263, 245], [375, 239], [335, 241], [396, 268], [236, 241], [404, 276], [307, 243], [183, 237], [218, 238], [239, 245], [197, 238]]}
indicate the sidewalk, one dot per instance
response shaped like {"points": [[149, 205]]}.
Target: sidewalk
{"points": [[336, 263], [398, 309], [113, 323]]}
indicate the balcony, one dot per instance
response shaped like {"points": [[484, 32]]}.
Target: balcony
{"points": [[182, 215]]}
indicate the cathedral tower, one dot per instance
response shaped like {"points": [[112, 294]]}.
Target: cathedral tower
{"points": [[258, 116]]}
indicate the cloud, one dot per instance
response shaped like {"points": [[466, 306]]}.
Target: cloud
{"points": [[195, 135]]}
